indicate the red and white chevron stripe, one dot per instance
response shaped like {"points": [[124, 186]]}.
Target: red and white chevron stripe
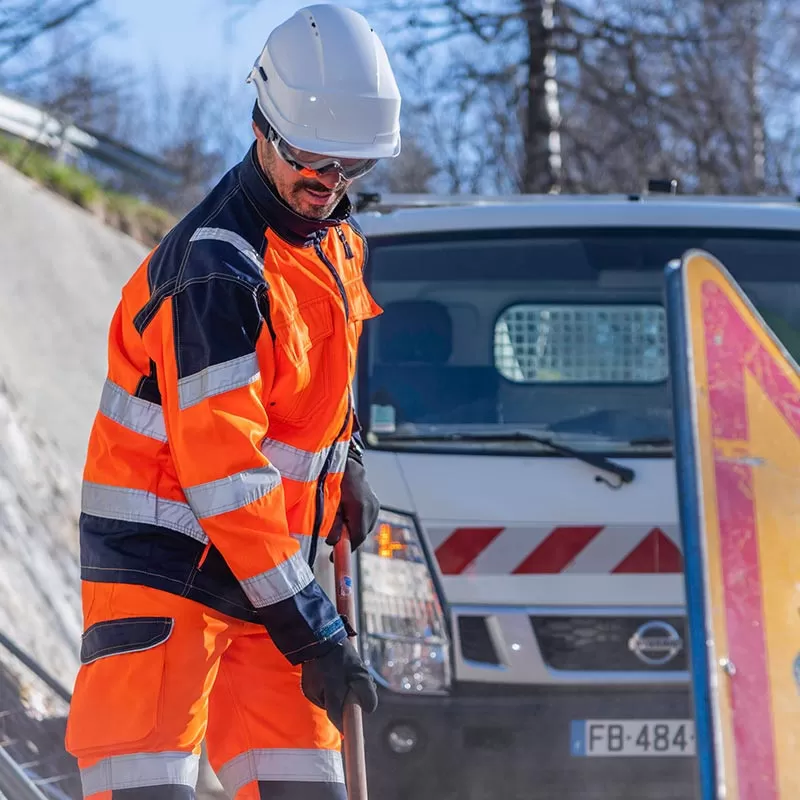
{"points": [[574, 549]]}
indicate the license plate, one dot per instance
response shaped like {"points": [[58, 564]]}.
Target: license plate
{"points": [[632, 737]]}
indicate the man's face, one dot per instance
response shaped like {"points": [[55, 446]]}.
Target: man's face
{"points": [[313, 197]]}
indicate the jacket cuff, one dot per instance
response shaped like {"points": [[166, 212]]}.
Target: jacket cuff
{"points": [[305, 625]]}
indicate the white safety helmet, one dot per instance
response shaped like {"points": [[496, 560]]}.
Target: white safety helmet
{"points": [[325, 86]]}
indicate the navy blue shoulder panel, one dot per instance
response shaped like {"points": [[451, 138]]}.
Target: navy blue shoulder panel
{"points": [[210, 266], [222, 236], [216, 322]]}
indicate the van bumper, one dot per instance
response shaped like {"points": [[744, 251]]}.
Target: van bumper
{"points": [[485, 742]]}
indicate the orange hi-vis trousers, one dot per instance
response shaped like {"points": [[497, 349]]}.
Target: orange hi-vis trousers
{"points": [[159, 673]]}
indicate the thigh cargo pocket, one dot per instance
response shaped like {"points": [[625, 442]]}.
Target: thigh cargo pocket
{"points": [[117, 697]]}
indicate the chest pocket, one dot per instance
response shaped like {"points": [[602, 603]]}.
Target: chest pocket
{"points": [[362, 304], [304, 366], [362, 308]]}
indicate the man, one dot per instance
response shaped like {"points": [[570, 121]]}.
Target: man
{"points": [[225, 445]]}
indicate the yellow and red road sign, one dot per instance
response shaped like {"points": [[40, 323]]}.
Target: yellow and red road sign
{"points": [[737, 422]]}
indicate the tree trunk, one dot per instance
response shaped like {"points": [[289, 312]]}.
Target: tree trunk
{"points": [[541, 168], [757, 154]]}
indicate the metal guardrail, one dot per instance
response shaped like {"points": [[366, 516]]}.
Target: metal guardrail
{"points": [[14, 783], [34, 763], [35, 668], [27, 121]]}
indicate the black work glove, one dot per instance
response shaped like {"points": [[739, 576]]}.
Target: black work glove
{"points": [[328, 681], [359, 507]]}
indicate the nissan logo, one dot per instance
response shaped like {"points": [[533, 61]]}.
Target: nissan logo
{"points": [[656, 643]]}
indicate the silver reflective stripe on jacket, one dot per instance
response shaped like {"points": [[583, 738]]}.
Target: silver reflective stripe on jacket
{"points": [[303, 465], [219, 378], [235, 491], [136, 505], [238, 241], [132, 412], [278, 583]]}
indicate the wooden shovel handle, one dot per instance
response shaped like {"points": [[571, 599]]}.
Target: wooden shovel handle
{"points": [[355, 763]]}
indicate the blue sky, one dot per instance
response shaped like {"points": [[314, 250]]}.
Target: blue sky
{"points": [[197, 39], [189, 36]]}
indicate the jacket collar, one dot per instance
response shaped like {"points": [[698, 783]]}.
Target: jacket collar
{"points": [[294, 228]]}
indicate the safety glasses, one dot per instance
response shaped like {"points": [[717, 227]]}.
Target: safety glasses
{"points": [[349, 168]]}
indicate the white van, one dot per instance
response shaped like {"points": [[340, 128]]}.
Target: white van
{"points": [[522, 605]]}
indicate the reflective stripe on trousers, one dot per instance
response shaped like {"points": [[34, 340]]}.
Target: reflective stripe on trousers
{"points": [[140, 769], [301, 774]]}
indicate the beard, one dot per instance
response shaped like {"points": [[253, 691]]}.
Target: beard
{"points": [[302, 204], [290, 186]]}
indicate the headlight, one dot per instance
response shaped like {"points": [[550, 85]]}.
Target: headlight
{"points": [[403, 635]]}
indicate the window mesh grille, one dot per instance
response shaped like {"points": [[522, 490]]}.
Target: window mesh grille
{"points": [[582, 344]]}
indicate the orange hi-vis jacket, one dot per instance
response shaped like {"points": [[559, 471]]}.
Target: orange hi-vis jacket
{"points": [[216, 458]]}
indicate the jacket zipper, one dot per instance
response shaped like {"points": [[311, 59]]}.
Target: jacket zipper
{"points": [[320, 492], [324, 259], [319, 507], [348, 251]]}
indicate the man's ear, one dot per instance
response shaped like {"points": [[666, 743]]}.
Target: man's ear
{"points": [[256, 130]]}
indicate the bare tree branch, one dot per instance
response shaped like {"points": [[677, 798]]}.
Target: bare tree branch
{"points": [[600, 95], [24, 21]]}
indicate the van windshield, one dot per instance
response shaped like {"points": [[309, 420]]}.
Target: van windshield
{"points": [[563, 335]]}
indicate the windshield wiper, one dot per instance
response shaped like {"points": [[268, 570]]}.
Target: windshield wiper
{"points": [[625, 474]]}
